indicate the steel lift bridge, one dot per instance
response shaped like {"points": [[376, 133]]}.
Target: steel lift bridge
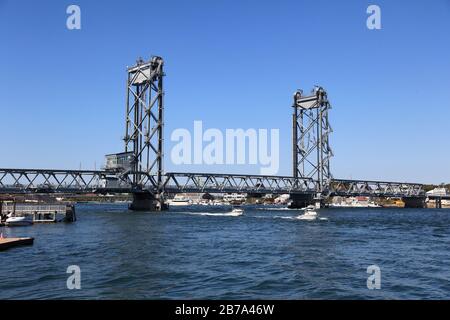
{"points": [[139, 169]]}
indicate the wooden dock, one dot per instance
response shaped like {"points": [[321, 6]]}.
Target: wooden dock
{"points": [[6, 243]]}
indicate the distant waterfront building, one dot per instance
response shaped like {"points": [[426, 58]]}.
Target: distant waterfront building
{"points": [[235, 197], [282, 199], [438, 192]]}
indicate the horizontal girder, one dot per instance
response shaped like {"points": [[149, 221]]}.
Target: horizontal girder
{"points": [[87, 181], [210, 182]]}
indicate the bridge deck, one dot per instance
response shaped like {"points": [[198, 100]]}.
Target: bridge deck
{"points": [[14, 181]]}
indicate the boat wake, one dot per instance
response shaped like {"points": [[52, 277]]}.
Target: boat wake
{"points": [[218, 214], [296, 218], [277, 209], [284, 217]]}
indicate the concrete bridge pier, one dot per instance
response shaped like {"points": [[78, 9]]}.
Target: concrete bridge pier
{"points": [[298, 201], [414, 202], [146, 201]]}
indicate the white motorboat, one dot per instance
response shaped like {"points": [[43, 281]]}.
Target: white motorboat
{"points": [[237, 212], [18, 221], [309, 214]]}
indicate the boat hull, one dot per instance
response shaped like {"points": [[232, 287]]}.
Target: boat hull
{"points": [[18, 222], [179, 203]]}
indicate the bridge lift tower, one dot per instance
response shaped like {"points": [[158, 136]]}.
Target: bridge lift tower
{"points": [[310, 143], [144, 131]]}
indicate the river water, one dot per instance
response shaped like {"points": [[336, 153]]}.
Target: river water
{"points": [[201, 253]]}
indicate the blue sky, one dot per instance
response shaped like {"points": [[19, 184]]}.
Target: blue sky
{"points": [[231, 64]]}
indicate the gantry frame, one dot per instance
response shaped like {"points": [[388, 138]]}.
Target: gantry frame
{"points": [[310, 139], [144, 121]]}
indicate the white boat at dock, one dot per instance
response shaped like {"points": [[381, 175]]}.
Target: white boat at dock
{"points": [[14, 213], [18, 221]]}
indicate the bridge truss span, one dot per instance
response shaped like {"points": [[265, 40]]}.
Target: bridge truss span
{"points": [[346, 188], [17, 181], [223, 183]]}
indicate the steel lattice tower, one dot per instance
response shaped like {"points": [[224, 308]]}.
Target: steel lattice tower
{"points": [[144, 120], [311, 130]]}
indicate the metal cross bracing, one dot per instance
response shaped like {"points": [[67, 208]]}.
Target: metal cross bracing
{"points": [[85, 181], [222, 183], [144, 118], [375, 188], [45, 181], [311, 129]]}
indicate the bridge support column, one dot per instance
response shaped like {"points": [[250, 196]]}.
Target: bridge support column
{"points": [[70, 214], [438, 203], [414, 202], [146, 201], [299, 201]]}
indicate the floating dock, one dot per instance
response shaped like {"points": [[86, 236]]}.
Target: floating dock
{"points": [[6, 243], [39, 212]]}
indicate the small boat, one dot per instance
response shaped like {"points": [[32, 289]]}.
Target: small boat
{"points": [[180, 201], [237, 212], [309, 214], [18, 221]]}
